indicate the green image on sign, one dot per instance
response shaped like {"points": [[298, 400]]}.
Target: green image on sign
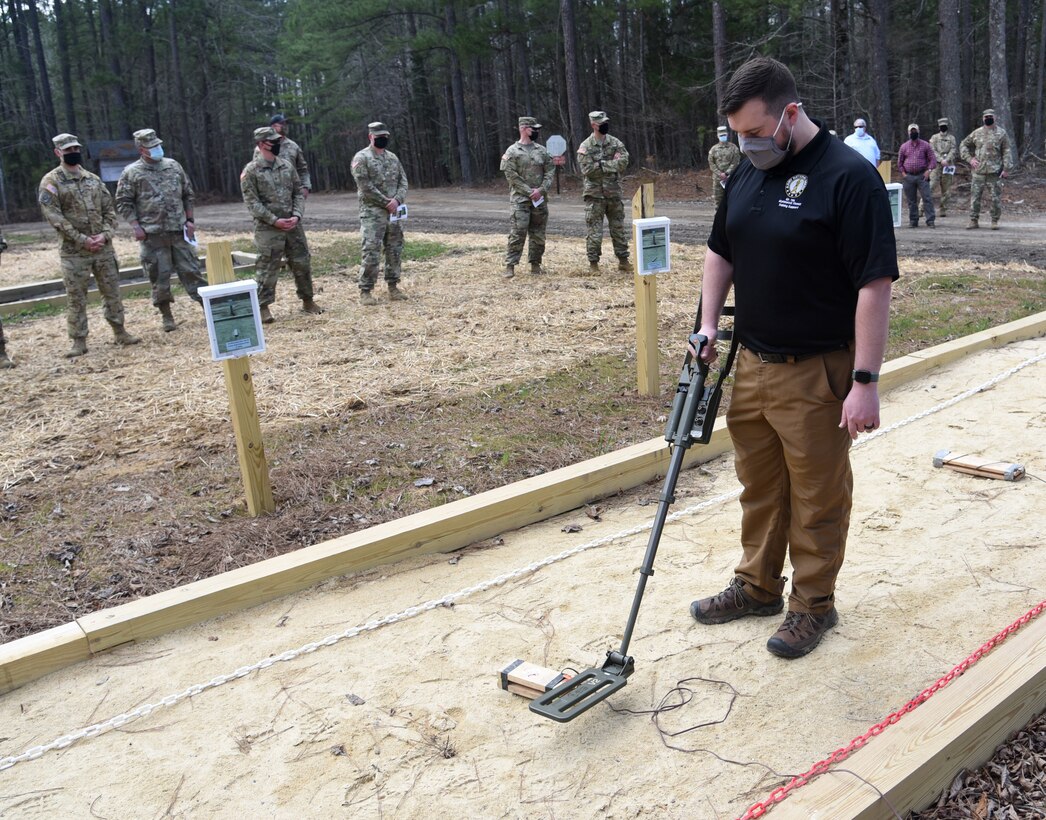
{"points": [[655, 249], [234, 326]]}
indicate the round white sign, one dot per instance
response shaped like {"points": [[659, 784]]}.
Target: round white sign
{"points": [[556, 145]]}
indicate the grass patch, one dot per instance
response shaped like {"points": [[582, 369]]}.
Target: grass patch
{"points": [[341, 255], [35, 312]]}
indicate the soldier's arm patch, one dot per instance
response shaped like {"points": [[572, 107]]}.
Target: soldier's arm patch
{"points": [[355, 165], [582, 150], [45, 197]]}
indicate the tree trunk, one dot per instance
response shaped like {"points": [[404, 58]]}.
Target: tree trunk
{"points": [[117, 90], [181, 109], [151, 92], [719, 57], [950, 72], [882, 116], [46, 100], [1000, 83], [842, 99], [457, 90], [1017, 87], [577, 126], [1037, 133], [28, 78], [64, 63]]}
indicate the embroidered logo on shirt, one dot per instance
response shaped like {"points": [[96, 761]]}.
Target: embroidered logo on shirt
{"points": [[794, 188]]}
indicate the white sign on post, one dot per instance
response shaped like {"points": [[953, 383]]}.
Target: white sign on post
{"points": [[652, 245], [556, 145], [233, 319]]}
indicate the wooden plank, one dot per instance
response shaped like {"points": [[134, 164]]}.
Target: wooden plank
{"points": [[450, 526], [885, 171], [957, 728], [32, 657], [647, 370], [250, 447]]}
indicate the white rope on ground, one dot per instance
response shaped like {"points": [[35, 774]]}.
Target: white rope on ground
{"points": [[65, 741]]}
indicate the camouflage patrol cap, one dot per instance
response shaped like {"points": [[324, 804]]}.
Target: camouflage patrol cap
{"points": [[377, 128], [266, 134], [988, 112], [530, 122], [63, 141], [943, 121], [146, 138], [598, 116], [721, 129]]}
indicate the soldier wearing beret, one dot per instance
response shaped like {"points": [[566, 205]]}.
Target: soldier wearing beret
{"points": [[272, 193], [529, 170], [603, 159], [80, 208], [155, 197], [987, 149], [723, 159], [381, 186]]}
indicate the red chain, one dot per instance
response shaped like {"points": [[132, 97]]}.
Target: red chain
{"points": [[819, 768]]}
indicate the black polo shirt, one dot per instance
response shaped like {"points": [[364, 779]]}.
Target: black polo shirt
{"points": [[803, 238]]}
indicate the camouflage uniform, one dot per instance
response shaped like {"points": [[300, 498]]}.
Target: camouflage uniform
{"points": [[602, 162], [946, 149], [79, 206], [379, 180], [158, 195], [723, 158], [5, 362], [527, 167], [991, 147], [271, 191], [291, 151]]}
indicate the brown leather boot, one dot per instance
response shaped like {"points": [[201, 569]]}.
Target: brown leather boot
{"points": [[730, 604], [310, 306], [168, 318], [800, 633]]}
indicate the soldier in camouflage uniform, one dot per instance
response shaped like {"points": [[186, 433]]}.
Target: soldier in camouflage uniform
{"points": [[80, 208], [529, 170], [156, 198], [5, 362], [988, 151], [272, 193], [290, 151], [723, 159], [381, 186], [945, 149], [603, 159]]}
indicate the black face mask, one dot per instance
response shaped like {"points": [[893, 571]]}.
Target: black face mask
{"points": [[989, 120], [534, 134], [604, 128], [913, 135], [73, 158], [381, 142], [944, 129], [275, 147]]}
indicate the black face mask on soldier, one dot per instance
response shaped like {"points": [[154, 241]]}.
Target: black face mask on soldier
{"points": [[381, 142], [274, 146], [944, 129], [604, 128], [989, 120], [73, 158], [534, 133]]}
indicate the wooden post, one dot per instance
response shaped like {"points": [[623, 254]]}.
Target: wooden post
{"points": [[249, 445], [647, 374], [885, 171]]}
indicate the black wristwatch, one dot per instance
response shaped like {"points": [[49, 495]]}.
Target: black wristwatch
{"points": [[865, 376]]}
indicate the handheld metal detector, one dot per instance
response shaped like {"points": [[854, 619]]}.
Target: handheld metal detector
{"points": [[691, 420]]}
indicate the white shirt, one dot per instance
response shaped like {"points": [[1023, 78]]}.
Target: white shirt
{"points": [[864, 145]]}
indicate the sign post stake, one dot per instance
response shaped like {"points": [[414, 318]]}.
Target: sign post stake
{"points": [[249, 446], [647, 374]]}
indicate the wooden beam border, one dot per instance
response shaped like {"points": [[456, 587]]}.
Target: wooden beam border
{"points": [[441, 529]]}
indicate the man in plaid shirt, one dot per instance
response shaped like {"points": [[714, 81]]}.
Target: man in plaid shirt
{"points": [[915, 160]]}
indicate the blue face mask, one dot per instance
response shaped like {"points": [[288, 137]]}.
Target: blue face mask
{"points": [[764, 152], [156, 152], [723, 138], [859, 130]]}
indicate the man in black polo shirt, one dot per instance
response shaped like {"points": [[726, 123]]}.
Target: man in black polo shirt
{"points": [[805, 237]]}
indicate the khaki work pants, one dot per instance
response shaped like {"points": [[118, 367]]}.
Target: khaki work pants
{"points": [[794, 464]]}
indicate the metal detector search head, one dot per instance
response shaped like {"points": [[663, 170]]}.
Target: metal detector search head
{"points": [[581, 692]]}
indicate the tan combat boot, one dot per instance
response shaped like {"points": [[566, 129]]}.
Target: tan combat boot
{"points": [[395, 294], [624, 265], [995, 224], [79, 348], [509, 272], [366, 299], [265, 315], [310, 306], [593, 267], [168, 318], [124, 338], [535, 268], [973, 225], [5, 362]]}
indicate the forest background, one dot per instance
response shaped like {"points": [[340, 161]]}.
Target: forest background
{"points": [[450, 77]]}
